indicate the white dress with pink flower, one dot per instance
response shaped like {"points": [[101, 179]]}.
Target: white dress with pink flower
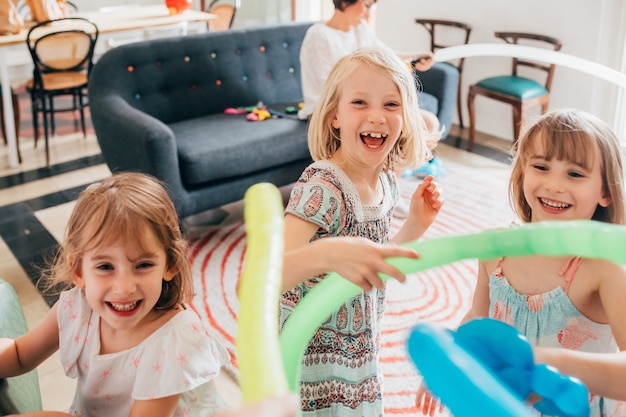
{"points": [[178, 358], [551, 320]]}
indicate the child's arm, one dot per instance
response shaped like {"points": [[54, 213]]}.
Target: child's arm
{"points": [[26, 352], [426, 203], [480, 301], [612, 287], [357, 259], [603, 373]]}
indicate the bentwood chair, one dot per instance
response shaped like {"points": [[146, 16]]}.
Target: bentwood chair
{"points": [[450, 33], [520, 92], [225, 12], [62, 52], [16, 121]]}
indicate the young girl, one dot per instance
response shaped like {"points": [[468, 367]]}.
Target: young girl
{"points": [[122, 326], [339, 215], [347, 30], [567, 166]]}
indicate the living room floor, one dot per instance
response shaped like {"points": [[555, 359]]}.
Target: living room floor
{"points": [[35, 204]]}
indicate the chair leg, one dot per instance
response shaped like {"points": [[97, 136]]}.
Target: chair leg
{"points": [[16, 125], [459, 107], [4, 130], [518, 121], [52, 125], [34, 103], [16, 121], [472, 120], [45, 128], [81, 107]]}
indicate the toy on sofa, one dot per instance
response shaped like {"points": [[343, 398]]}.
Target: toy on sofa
{"points": [[486, 368], [256, 113]]}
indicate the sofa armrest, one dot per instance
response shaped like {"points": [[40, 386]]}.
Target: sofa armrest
{"points": [[441, 81], [19, 394], [132, 140]]}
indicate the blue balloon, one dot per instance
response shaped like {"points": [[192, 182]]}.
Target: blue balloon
{"points": [[486, 368]]}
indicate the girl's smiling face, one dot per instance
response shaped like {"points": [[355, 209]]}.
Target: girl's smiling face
{"points": [[562, 189], [122, 280], [369, 117]]}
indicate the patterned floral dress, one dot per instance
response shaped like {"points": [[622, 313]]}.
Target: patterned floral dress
{"points": [[340, 373], [551, 320]]}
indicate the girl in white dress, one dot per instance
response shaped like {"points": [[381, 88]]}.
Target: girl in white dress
{"points": [[122, 325]]}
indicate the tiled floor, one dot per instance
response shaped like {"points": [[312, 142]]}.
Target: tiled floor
{"points": [[35, 204]]}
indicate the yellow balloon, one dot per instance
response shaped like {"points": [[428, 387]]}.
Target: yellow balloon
{"points": [[258, 348]]}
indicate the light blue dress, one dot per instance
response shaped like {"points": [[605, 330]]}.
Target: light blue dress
{"points": [[551, 320]]}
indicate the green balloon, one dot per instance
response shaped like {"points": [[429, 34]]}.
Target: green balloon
{"points": [[584, 238]]}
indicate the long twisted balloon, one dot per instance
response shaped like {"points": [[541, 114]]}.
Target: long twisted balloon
{"points": [[585, 238]]}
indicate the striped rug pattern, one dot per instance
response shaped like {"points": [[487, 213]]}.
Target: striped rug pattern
{"points": [[476, 199]]}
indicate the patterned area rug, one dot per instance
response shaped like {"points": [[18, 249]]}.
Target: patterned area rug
{"points": [[475, 191]]}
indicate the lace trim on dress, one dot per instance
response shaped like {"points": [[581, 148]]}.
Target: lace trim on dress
{"points": [[361, 212]]}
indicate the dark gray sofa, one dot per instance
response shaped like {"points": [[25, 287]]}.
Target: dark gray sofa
{"points": [[158, 107]]}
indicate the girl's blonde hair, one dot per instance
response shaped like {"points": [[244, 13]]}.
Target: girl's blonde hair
{"points": [[570, 135], [119, 208], [412, 148]]}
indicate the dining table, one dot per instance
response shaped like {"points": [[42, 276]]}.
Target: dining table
{"points": [[113, 23]]}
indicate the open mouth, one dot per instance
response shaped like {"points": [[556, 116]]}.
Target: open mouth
{"points": [[124, 307], [373, 140], [554, 205]]}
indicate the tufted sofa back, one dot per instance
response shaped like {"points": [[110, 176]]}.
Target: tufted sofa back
{"points": [[175, 79]]}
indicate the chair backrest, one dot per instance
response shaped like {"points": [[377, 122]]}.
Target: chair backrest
{"points": [[225, 14], [453, 30], [62, 45], [532, 39]]}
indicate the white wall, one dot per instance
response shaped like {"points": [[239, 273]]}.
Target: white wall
{"points": [[591, 29]]}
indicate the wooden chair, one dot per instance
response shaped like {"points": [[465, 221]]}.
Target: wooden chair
{"points": [[225, 14], [16, 122], [434, 26], [62, 52], [520, 92]]}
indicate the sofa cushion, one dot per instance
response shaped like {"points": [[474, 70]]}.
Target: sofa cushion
{"points": [[220, 146]]}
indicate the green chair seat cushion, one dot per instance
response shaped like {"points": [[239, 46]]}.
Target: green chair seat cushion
{"points": [[520, 87]]}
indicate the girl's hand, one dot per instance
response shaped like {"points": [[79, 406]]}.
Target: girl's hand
{"points": [[359, 260], [426, 202], [426, 402], [423, 62]]}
